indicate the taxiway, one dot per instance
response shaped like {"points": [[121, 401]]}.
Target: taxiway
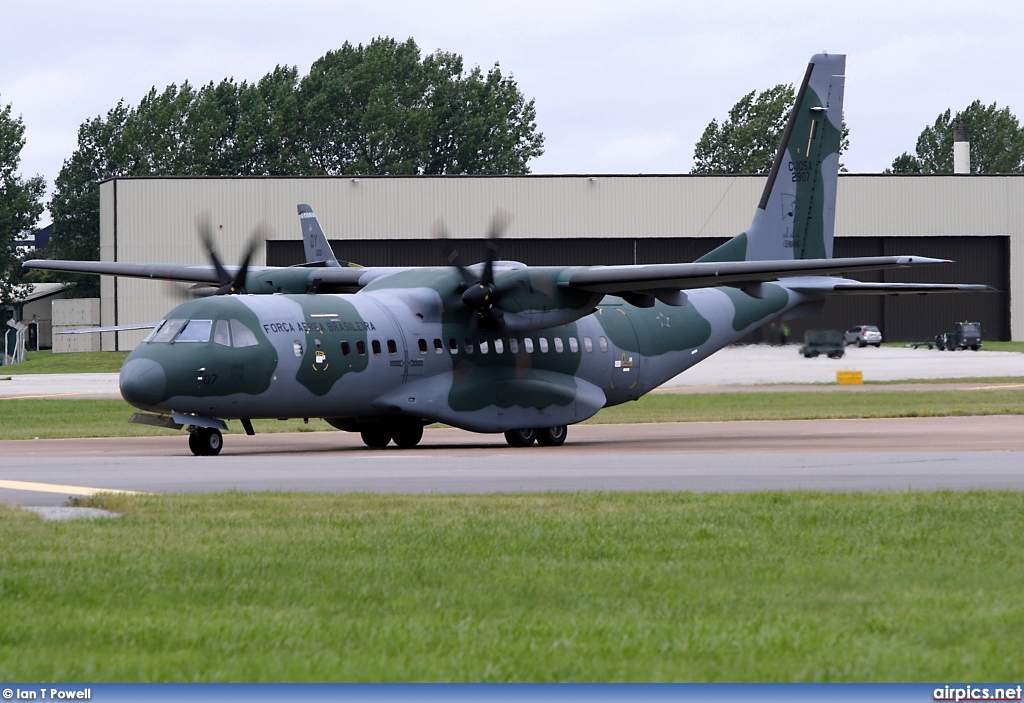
{"points": [[956, 453]]}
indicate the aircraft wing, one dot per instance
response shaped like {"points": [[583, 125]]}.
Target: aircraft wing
{"points": [[614, 280], [164, 272], [327, 279]]}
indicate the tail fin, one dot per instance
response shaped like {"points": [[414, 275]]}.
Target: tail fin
{"points": [[796, 216], [318, 249]]}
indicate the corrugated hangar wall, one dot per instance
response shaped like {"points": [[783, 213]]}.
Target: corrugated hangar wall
{"points": [[577, 220]]}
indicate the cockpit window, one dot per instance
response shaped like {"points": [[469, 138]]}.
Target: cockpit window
{"points": [[196, 331], [220, 333], [242, 335], [168, 330]]}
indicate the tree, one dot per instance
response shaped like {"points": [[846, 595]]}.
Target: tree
{"points": [[997, 143], [378, 109], [20, 202], [747, 141], [382, 109]]}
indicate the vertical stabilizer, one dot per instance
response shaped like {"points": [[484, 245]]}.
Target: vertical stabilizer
{"points": [[318, 249], [796, 216]]}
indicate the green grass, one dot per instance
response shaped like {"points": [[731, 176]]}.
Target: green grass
{"points": [[986, 345], [1003, 346], [1008, 380], [84, 362], [52, 419], [63, 418], [626, 587], [799, 405]]}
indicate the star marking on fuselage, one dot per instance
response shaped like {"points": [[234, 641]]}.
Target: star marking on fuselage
{"points": [[663, 319]]}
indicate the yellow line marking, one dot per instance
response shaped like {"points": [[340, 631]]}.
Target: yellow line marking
{"points": [[992, 388], [57, 488]]}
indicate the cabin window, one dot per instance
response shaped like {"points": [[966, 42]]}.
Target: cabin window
{"points": [[467, 346], [375, 345], [588, 344], [528, 345], [574, 346], [168, 330], [423, 346], [559, 346], [542, 342], [438, 346], [392, 347], [345, 349], [483, 346], [602, 343], [196, 331], [513, 345], [499, 346], [297, 348], [360, 347], [453, 346], [220, 333], [242, 336]]}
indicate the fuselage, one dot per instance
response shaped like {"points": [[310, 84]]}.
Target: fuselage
{"points": [[397, 352]]}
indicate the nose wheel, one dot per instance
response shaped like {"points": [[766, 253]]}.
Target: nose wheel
{"points": [[205, 441]]}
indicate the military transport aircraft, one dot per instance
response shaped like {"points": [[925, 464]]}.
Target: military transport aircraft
{"points": [[497, 346]]}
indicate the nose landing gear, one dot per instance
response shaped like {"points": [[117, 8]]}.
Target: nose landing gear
{"points": [[205, 441]]}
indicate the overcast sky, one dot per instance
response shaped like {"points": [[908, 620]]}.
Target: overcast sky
{"points": [[620, 87]]}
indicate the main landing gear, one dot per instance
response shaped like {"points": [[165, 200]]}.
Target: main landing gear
{"points": [[404, 434], [544, 436], [205, 441]]}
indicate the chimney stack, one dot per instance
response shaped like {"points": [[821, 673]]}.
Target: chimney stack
{"points": [[961, 149]]}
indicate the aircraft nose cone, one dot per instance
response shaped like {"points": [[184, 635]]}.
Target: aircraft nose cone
{"points": [[142, 382]]}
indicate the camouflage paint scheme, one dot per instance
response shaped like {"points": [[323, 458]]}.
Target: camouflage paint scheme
{"points": [[282, 376], [537, 347]]}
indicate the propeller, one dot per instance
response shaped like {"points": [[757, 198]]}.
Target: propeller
{"points": [[480, 294], [229, 285]]}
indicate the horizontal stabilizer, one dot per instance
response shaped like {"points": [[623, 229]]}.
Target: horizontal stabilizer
{"points": [[844, 286]]}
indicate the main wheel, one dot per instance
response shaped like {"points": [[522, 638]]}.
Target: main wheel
{"points": [[376, 438], [408, 434], [551, 436], [205, 441], [521, 438]]}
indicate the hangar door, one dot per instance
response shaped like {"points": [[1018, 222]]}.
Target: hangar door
{"points": [[901, 318]]}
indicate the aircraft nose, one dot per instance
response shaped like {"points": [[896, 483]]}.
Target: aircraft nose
{"points": [[142, 382]]}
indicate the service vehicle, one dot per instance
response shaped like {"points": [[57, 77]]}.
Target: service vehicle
{"points": [[863, 335], [829, 342]]}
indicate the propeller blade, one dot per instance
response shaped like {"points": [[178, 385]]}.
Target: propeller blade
{"points": [[238, 284], [498, 224], [451, 255], [206, 234]]}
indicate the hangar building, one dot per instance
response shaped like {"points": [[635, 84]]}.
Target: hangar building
{"points": [[976, 220]]}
